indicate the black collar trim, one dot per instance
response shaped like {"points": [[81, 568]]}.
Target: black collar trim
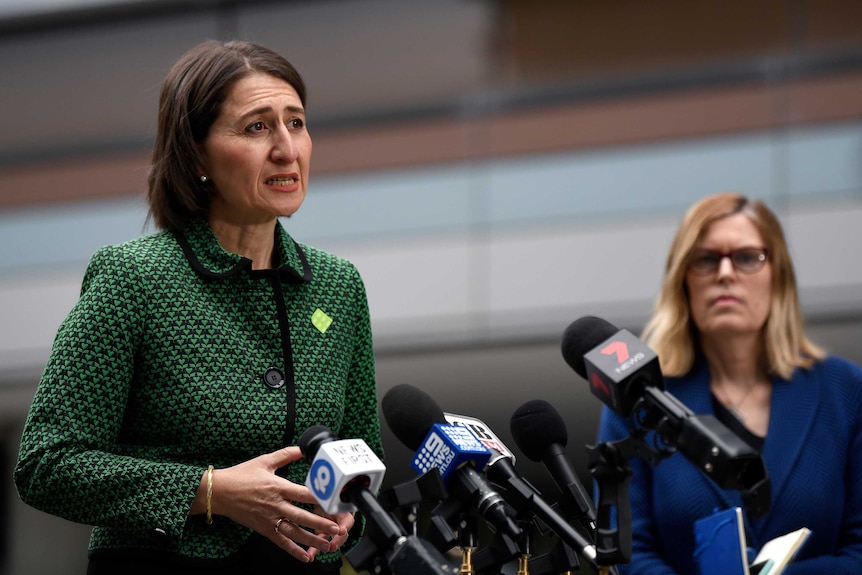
{"points": [[283, 243]]}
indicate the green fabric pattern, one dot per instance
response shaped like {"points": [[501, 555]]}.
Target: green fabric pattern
{"points": [[158, 371]]}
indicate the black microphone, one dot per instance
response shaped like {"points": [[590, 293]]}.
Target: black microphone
{"points": [[625, 375], [500, 469], [541, 434], [524, 497], [625, 365], [420, 424]]}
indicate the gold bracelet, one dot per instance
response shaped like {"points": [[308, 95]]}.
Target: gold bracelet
{"points": [[209, 494]]}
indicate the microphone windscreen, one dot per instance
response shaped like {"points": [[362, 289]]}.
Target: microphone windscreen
{"points": [[581, 337], [410, 413], [312, 438], [536, 425]]}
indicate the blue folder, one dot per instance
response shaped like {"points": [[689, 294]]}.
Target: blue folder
{"points": [[720, 547]]}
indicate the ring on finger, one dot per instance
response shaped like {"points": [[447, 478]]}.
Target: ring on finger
{"points": [[278, 523]]}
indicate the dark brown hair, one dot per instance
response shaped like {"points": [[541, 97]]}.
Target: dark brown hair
{"points": [[191, 99]]}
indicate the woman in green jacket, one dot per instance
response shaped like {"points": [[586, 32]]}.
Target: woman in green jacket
{"points": [[170, 409]]}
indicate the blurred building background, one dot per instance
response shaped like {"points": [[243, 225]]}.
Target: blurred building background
{"points": [[495, 168]]}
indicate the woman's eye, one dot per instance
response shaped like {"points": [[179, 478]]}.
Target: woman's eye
{"points": [[256, 127], [746, 257]]}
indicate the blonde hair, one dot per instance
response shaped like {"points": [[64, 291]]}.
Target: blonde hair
{"points": [[670, 331]]}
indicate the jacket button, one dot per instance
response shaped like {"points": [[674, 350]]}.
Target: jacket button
{"points": [[273, 378]]}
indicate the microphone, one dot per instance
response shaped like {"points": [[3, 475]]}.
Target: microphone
{"points": [[341, 477], [420, 424], [341, 468], [541, 434], [501, 471], [618, 370], [344, 475], [482, 432], [625, 375]]}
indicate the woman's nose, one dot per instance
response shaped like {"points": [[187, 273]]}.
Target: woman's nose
{"points": [[284, 148], [725, 267]]}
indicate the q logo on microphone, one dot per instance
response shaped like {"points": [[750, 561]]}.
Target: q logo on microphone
{"points": [[338, 464], [321, 476]]}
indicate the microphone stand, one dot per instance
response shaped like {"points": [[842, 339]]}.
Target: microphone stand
{"points": [[467, 542], [429, 488], [386, 547], [674, 427], [524, 564], [560, 559], [491, 558], [404, 499], [503, 550], [608, 464], [524, 558]]}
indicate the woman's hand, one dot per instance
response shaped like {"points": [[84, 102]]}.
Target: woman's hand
{"points": [[345, 520], [253, 495]]}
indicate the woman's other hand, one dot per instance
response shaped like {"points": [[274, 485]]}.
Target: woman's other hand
{"points": [[344, 520]]}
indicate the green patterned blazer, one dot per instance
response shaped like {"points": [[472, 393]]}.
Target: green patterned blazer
{"points": [[178, 355]]}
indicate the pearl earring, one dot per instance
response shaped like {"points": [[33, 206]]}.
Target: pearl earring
{"points": [[204, 179]]}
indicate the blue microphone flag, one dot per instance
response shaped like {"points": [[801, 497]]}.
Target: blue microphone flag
{"points": [[448, 447]]}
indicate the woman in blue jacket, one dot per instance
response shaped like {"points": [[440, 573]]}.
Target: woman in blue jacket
{"points": [[729, 333]]}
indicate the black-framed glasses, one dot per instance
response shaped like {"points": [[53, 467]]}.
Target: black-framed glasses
{"points": [[744, 260]]}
